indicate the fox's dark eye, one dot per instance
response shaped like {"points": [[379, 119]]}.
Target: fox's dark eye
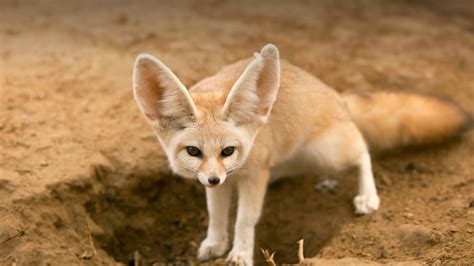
{"points": [[227, 151], [193, 151]]}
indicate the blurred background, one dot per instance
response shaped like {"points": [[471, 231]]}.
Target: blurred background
{"points": [[83, 179]]}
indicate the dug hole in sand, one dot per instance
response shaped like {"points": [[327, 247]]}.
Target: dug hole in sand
{"points": [[82, 177]]}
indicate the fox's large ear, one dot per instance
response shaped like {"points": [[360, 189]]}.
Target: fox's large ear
{"points": [[161, 97], [252, 96]]}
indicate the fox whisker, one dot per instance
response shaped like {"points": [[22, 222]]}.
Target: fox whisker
{"points": [[232, 170], [190, 169]]}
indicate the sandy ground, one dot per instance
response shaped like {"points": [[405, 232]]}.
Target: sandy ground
{"points": [[82, 177]]}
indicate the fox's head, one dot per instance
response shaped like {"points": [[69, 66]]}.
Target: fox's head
{"points": [[207, 134]]}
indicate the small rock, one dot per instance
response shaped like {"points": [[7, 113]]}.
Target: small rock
{"points": [[25, 118], [381, 254], [111, 194], [471, 204], [410, 167], [12, 32], [43, 163], [10, 128], [386, 180], [388, 216], [460, 184], [121, 19], [220, 261], [193, 244], [415, 235], [86, 255], [327, 185]]}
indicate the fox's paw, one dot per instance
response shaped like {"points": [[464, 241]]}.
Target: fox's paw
{"points": [[211, 249], [240, 257], [366, 204]]}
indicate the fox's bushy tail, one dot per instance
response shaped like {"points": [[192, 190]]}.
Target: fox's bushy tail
{"points": [[397, 119]]}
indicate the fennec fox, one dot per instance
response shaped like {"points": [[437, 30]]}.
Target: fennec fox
{"points": [[262, 118]]}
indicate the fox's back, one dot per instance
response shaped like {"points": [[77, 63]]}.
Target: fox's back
{"points": [[304, 107]]}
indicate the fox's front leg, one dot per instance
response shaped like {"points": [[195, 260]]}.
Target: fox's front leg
{"points": [[218, 203], [251, 195]]}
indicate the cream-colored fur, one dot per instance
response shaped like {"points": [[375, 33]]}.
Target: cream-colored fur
{"points": [[404, 118], [280, 121]]}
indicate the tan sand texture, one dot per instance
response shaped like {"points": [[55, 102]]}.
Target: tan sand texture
{"points": [[84, 181]]}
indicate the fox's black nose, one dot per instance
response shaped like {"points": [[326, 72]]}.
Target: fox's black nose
{"points": [[214, 180]]}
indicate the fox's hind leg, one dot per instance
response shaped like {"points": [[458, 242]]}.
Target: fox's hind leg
{"points": [[367, 199], [340, 147]]}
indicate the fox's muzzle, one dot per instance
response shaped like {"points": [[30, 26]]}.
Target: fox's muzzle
{"points": [[211, 181]]}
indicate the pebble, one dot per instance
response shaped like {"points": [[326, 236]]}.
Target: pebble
{"points": [[193, 244], [122, 19], [386, 180], [410, 167], [86, 255], [388, 216], [327, 185], [415, 235]]}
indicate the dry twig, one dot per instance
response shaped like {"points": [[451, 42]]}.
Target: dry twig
{"points": [[268, 257], [137, 258], [19, 233], [300, 251], [89, 237]]}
